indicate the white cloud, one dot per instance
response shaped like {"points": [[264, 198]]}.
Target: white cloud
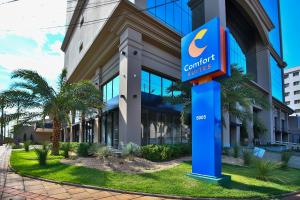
{"points": [[25, 18]]}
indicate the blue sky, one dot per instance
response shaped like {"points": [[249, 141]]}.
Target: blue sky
{"points": [[290, 16]]}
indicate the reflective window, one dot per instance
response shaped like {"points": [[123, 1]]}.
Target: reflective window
{"points": [[104, 93], [272, 9], [116, 86], [145, 82], [155, 84], [237, 57], [175, 14], [111, 89], [276, 76], [165, 85]]}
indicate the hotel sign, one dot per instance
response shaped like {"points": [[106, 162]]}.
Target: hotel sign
{"points": [[205, 57], [203, 52]]}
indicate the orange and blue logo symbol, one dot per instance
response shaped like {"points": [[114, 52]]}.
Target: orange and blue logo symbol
{"points": [[195, 51]]}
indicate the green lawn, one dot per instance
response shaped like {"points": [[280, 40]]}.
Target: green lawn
{"points": [[172, 181]]}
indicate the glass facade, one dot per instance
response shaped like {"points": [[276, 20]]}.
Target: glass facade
{"points": [[162, 128], [237, 57], [110, 128], [111, 89], [89, 131], [156, 85], [276, 78], [272, 9], [175, 14], [161, 123]]}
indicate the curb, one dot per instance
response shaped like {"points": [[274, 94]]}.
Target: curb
{"points": [[142, 193]]}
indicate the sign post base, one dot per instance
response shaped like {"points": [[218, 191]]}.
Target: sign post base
{"points": [[223, 180]]}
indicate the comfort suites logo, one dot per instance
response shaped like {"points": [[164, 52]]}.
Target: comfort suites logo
{"points": [[201, 51], [195, 51]]}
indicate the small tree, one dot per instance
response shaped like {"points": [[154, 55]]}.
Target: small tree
{"points": [[55, 103]]}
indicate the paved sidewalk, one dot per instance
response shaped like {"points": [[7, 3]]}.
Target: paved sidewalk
{"points": [[16, 187]]}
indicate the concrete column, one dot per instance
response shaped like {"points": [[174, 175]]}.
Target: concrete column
{"points": [[205, 10], [130, 87], [258, 65], [226, 130], [96, 130]]}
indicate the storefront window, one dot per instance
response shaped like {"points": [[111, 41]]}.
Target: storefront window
{"points": [[166, 84], [145, 82], [161, 127], [155, 84]]}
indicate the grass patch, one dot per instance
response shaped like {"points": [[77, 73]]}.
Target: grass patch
{"points": [[172, 181]]}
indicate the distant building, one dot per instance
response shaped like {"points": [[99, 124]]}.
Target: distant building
{"points": [[292, 89], [34, 132]]}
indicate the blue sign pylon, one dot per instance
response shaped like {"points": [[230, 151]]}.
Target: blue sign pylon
{"points": [[205, 57]]}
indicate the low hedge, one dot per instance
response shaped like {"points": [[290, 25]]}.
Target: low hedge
{"points": [[165, 152], [73, 145]]}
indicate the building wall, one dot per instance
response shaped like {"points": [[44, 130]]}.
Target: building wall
{"points": [[292, 89], [94, 14]]}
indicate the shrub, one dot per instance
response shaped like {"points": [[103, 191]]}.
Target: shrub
{"points": [[17, 146], [66, 147], [264, 168], [27, 145], [73, 145], [236, 151], [285, 157], [83, 149], [226, 151], [165, 152], [179, 150], [42, 155], [131, 150], [247, 157], [94, 148], [104, 151], [151, 152]]}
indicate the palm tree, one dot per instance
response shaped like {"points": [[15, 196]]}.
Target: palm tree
{"points": [[44, 100], [237, 96]]}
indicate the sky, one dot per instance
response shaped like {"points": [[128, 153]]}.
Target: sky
{"points": [[290, 16], [24, 45]]}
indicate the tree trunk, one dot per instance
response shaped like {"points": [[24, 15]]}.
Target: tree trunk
{"points": [[83, 126], [55, 136]]}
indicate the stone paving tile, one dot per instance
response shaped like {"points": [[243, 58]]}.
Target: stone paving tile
{"points": [[61, 196]]}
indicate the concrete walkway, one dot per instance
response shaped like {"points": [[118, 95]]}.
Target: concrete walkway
{"points": [[16, 187]]}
